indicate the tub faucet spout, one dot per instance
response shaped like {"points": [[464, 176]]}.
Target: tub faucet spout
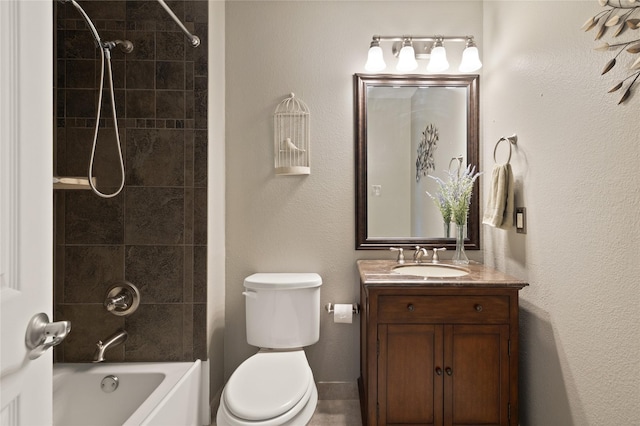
{"points": [[117, 338]]}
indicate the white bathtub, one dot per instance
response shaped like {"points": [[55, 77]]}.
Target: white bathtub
{"points": [[157, 393]]}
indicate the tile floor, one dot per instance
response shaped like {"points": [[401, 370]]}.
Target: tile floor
{"points": [[338, 405], [337, 412]]}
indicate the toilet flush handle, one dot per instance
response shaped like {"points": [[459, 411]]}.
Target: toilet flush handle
{"points": [[251, 294]]}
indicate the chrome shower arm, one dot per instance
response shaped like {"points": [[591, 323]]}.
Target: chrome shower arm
{"points": [[195, 40]]}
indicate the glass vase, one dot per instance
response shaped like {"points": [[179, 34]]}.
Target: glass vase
{"points": [[447, 228], [460, 257]]}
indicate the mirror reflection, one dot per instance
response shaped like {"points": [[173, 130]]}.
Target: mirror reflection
{"points": [[410, 129]]}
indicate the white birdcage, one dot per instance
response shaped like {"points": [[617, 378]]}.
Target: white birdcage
{"points": [[291, 137]]}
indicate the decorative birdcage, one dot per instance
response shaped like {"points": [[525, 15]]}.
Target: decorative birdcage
{"points": [[291, 137]]}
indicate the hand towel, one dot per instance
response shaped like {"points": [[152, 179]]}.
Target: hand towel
{"points": [[499, 209]]}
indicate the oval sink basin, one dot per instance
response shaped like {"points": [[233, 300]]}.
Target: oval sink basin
{"points": [[431, 270]]}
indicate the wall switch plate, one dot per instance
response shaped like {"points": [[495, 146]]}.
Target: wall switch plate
{"points": [[376, 190], [521, 220]]}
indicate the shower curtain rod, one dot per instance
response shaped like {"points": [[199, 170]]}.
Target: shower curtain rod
{"points": [[195, 40]]}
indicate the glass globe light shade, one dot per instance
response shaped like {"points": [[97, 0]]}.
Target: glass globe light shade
{"points": [[470, 60], [375, 60], [407, 59], [438, 61]]}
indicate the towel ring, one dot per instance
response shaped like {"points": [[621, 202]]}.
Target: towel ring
{"points": [[459, 159], [513, 139]]}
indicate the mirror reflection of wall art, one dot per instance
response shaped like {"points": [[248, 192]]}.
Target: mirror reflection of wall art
{"points": [[615, 20], [425, 162]]}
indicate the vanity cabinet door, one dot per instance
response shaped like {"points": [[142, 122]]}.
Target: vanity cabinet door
{"points": [[476, 375], [430, 374], [410, 389]]}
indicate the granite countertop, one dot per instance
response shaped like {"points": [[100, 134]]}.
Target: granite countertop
{"points": [[381, 273]]}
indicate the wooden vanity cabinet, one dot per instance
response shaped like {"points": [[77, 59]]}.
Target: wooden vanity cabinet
{"points": [[439, 355]]}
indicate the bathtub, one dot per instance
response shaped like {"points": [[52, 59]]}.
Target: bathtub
{"points": [[156, 393]]}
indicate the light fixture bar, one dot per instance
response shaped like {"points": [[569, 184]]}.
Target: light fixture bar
{"points": [[422, 38], [427, 47]]}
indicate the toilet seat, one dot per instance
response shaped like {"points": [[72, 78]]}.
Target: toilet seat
{"points": [[269, 388]]}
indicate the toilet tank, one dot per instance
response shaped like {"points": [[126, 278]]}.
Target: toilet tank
{"points": [[282, 309]]}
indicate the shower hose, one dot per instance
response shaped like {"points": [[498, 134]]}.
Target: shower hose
{"points": [[105, 53]]}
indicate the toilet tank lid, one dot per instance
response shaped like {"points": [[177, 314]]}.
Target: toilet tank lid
{"points": [[282, 280]]}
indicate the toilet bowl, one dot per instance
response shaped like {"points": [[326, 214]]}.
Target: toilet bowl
{"points": [[275, 387], [271, 388]]}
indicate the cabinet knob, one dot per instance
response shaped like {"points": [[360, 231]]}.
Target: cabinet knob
{"points": [[449, 371], [410, 307], [439, 371], [478, 307]]}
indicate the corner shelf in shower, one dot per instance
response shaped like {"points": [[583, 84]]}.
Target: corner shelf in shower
{"points": [[67, 182]]}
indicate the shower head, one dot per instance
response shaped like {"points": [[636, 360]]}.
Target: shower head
{"points": [[125, 45]]}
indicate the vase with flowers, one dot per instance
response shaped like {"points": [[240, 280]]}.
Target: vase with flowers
{"points": [[452, 199]]}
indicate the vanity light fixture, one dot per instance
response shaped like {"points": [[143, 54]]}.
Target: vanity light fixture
{"points": [[409, 48]]}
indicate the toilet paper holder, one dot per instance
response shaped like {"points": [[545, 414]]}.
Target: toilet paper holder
{"points": [[355, 306]]}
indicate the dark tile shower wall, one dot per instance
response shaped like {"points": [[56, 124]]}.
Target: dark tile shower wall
{"points": [[154, 233]]}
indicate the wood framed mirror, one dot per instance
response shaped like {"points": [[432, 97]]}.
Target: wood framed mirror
{"points": [[401, 120]]}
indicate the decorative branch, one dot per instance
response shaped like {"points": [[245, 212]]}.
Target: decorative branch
{"points": [[618, 14]]}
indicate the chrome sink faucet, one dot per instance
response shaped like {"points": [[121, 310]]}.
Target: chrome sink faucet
{"points": [[400, 251], [419, 253], [435, 258], [117, 338]]}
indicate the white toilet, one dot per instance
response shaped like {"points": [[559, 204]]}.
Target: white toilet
{"points": [[275, 386]]}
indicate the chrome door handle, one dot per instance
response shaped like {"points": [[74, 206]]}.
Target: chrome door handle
{"points": [[40, 330]]}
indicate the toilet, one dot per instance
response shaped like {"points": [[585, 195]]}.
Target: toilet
{"points": [[275, 387]]}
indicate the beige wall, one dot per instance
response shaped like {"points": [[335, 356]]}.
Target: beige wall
{"points": [[296, 223], [575, 167], [577, 170]]}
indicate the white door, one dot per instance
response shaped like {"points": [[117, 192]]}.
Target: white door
{"points": [[26, 170]]}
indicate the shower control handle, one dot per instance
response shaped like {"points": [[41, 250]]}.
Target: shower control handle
{"points": [[122, 299]]}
